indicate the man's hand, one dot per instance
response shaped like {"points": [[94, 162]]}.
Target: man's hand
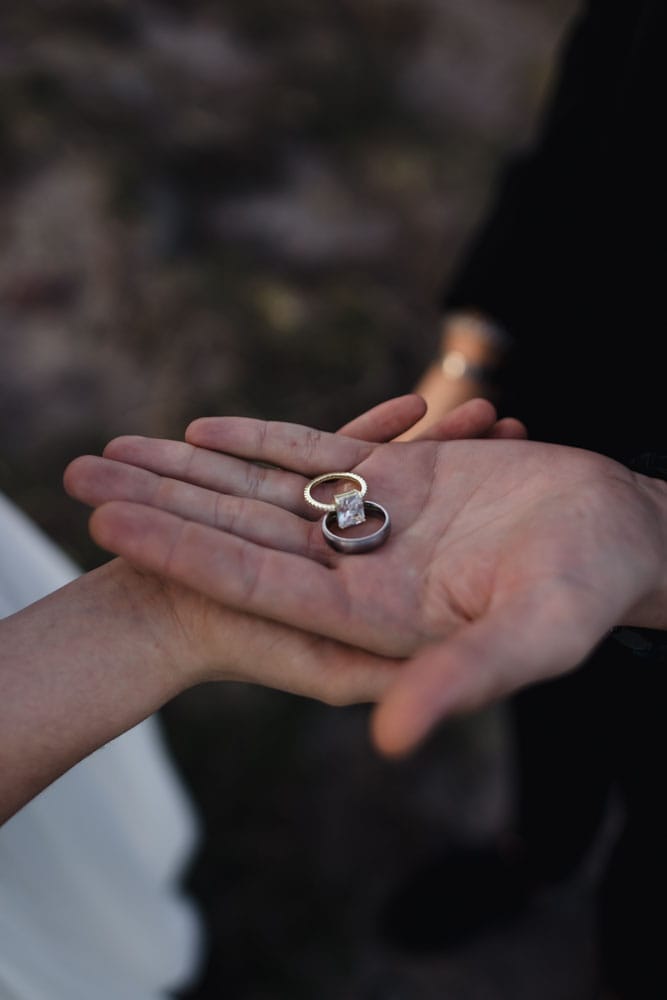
{"points": [[508, 560]]}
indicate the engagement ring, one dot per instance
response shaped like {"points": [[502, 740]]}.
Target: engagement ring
{"points": [[347, 510], [348, 505]]}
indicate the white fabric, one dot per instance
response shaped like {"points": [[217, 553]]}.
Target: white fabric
{"points": [[90, 905]]}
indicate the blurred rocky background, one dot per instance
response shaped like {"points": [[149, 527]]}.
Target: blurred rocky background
{"points": [[251, 207]]}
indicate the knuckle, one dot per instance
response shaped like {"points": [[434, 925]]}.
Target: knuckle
{"points": [[311, 445], [262, 434], [255, 480], [165, 494], [228, 514]]}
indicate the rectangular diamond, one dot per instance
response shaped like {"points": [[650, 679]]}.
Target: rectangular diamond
{"points": [[349, 508]]}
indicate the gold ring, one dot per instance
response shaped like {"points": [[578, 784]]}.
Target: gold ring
{"points": [[348, 505]]}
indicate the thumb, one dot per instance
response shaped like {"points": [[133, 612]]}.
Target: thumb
{"points": [[521, 643]]}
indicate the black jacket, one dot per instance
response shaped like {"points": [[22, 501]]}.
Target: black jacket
{"points": [[571, 259]]}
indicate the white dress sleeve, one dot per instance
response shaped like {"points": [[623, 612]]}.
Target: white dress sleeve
{"points": [[91, 906]]}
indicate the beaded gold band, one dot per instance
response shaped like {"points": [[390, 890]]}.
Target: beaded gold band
{"points": [[327, 477]]}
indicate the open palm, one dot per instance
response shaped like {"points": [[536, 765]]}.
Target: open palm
{"points": [[499, 570]]}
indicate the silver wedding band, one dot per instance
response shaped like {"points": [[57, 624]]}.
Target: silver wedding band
{"points": [[365, 543]]}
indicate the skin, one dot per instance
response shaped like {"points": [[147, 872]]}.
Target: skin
{"points": [[99, 655], [441, 393], [508, 562]]}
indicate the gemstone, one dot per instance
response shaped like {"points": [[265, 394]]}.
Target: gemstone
{"points": [[349, 508]]}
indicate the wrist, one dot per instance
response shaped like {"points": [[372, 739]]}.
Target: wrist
{"points": [[159, 620], [644, 629], [472, 348], [653, 611], [79, 667]]}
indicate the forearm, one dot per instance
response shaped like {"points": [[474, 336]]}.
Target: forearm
{"points": [[77, 669]]}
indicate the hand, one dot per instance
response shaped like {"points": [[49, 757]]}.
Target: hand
{"points": [[95, 657], [508, 560], [441, 396], [470, 338], [210, 641]]}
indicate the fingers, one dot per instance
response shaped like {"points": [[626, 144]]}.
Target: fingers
{"points": [[289, 446], [509, 428], [307, 665], [476, 418], [472, 419], [388, 420], [211, 470], [278, 585], [199, 466], [527, 641], [96, 481], [354, 676]]}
